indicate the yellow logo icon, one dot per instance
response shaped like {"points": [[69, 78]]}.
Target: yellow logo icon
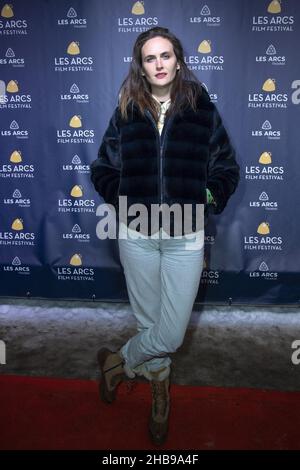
{"points": [[7, 11], [204, 47], [73, 48], [265, 158], [274, 6], [205, 264], [263, 228], [17, 224], [269, 85], [75, 121], [76, 260], [16, 157], [12, 86], [138, 8], [77, 191]]}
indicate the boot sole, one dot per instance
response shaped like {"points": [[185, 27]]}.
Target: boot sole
{"points": [[158, 440]]}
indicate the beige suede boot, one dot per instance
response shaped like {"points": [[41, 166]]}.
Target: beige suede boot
{"points": [[112, 373], [159, 418]]}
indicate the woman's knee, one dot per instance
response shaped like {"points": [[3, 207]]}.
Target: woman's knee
{"points": [[173, 341]]}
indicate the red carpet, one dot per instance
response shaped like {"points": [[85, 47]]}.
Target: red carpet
{"points": [[45, 413]]}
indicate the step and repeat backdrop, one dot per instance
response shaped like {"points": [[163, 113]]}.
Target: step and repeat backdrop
{"points": [[61, 65]]}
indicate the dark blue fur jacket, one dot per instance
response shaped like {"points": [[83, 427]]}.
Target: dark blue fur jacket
{"points": [[193, 153]]}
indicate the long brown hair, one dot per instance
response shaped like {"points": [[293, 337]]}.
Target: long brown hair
{"points": [[136, 89]]}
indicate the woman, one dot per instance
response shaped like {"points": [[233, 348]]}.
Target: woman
{"points": [[165, 144]]}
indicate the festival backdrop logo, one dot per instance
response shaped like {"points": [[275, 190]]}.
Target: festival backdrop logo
{"points": [[275, 20], [77, 166], [206, 17], [264, 202], [209, 277], [208, 60], [11, 59], [264, 240], [266, 170], [15, 131], [74, 61], [271, 98], [17, 267], [72, 19], [17, 168], [14, 98], [263, 272], [17, 200], [78, 203], [138, 22], [76, 234], [18, 235], [75, 270], [9, 24], [74, 95], [266, 131], [75, 135], [271, 57]]}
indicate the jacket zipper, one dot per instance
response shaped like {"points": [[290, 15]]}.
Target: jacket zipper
{"points": [[160, 139]]}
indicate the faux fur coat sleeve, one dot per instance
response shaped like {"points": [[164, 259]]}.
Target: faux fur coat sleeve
{"points": [[106, 169], [223, 169]]}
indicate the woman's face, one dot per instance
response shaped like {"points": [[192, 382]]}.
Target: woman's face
{"points": [[159, 62]]}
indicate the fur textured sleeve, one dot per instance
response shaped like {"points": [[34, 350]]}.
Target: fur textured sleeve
{"points": [[106, 169], [223, 169]]}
